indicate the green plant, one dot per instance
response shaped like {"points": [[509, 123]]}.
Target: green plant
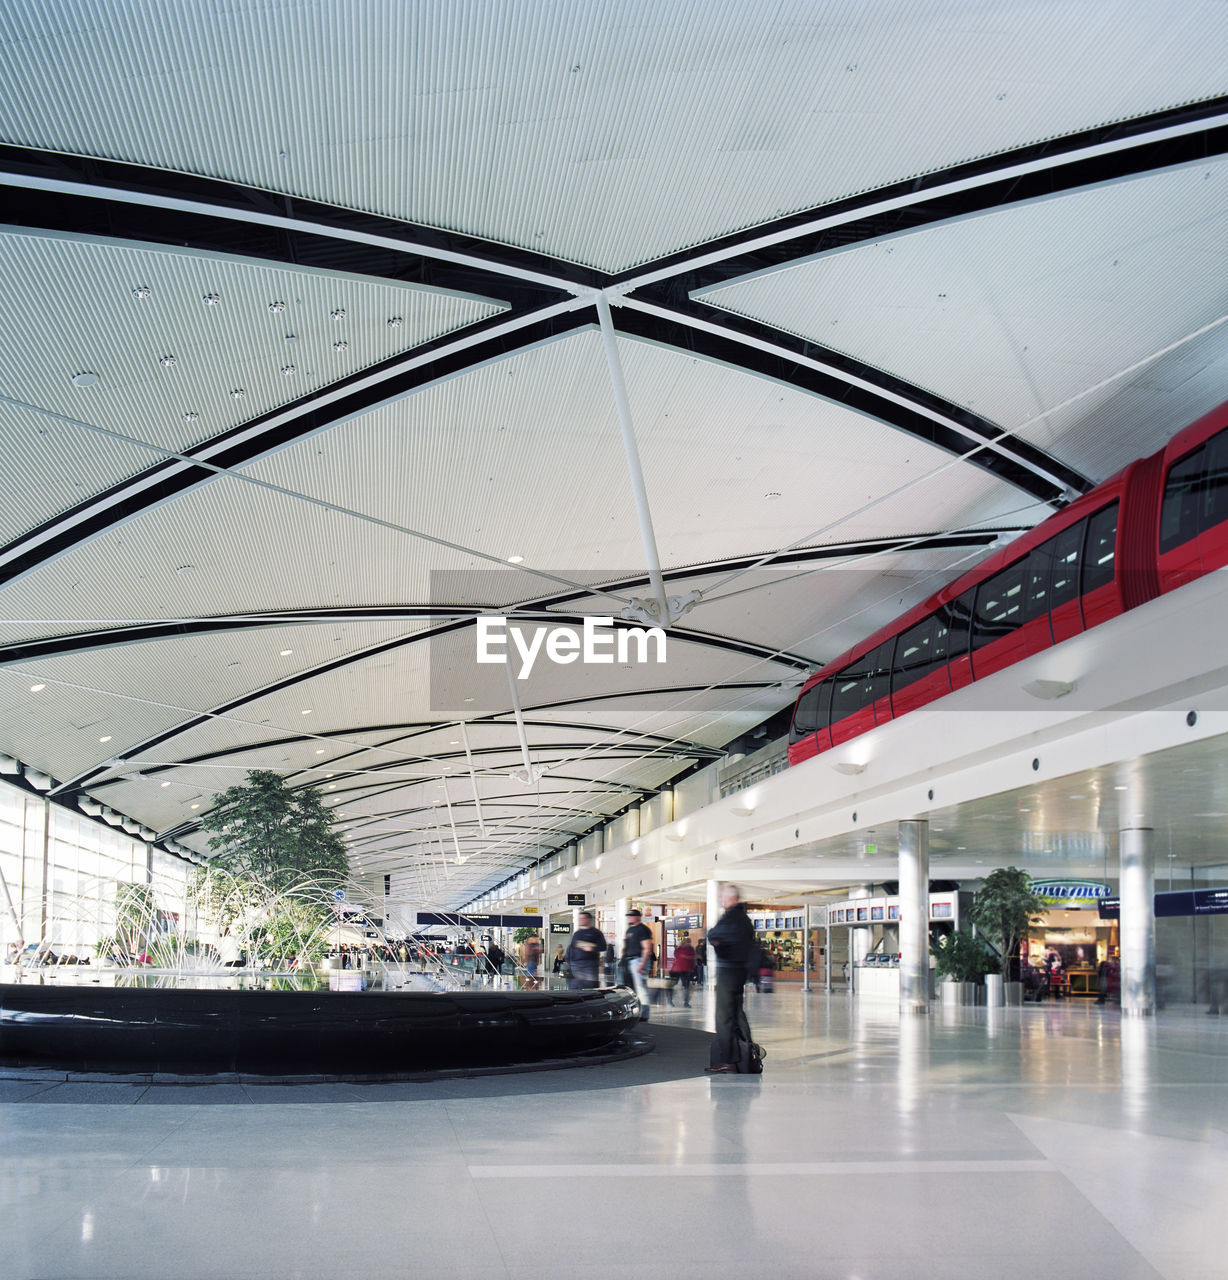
{"points": [[524, 933], [276, 835], [961, 957], [1003, 909]]}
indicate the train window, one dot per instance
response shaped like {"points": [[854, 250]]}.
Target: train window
{"points": [[954, 623], [812, 711], [999, 605], [1179, 512], [1038, 581], [848, 693], [1100, 549], [1215, 482], [878, 671], [914, 653], [1065, 552]]}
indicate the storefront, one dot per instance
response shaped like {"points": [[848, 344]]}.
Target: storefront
{"points": [[780, 930], [1071, 951], [687, 921]]}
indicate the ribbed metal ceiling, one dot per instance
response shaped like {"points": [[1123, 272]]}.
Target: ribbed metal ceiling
{"points": [[310, 609]]}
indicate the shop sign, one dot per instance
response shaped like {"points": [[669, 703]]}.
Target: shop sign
{"points": [[1179, 902], [575, 900], [1070, 893], [557, 926]]}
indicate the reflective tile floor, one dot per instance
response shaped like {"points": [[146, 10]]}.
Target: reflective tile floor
{"points": [[1050, 1141]]}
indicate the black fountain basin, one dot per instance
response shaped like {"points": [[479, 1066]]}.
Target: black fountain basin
{"points": [[182, 1031]]}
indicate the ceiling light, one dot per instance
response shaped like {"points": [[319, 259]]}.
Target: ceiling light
{"points": [[84, 379], [141, 292], [285, 653], [185, 569], [468, 699], [166, 361], [193, 806], [773, 494], [211, 299], [395, 322], [1115, 788], [515, 559], [849, 767], [306, 711], [454, 742], [166, 784], [319, 751], [277, 308], [238, 393], [341, 346], [288, 369], [106, 737], [37, 688], [190, 417], [339, 313], [332, 786], [1048, 690]]}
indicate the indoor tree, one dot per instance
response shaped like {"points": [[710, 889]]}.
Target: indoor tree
{"points": [[1003, 909]]}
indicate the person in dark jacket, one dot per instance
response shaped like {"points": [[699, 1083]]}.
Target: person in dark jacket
{"points": [[731, 939], [584, 954]]}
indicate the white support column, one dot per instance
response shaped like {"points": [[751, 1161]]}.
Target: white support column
{"points": [[914, 916], [712, 911], [806, 947], [1138, 922]]}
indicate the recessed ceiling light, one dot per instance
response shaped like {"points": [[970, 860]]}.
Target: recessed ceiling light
{"points": [[454, 742], [193, 806], [185, 569], [84, 379], [1025, 810], [277, 307], [330, 775], [772, 494], [37, 688], [339, 313], [468, 699], [332, 786], [288, 369], [211, 299], [319, 751], [106, 737], [141, 292], [395, 322], [341, 346], [285, 653], [166, 362], [306, 711], [231, 666], [190, 417], [238, 393], [1120, 788], [166, 784]]}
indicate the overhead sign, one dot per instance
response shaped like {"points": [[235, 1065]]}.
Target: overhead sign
{"points": [[575, 900], [1179, 902], [1077, 894], [692, 921], [452, 920], [531, 911]]}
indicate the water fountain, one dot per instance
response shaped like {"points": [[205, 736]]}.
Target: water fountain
{"points": [[239, 979]]}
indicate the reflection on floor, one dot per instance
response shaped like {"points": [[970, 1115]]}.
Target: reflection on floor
{"points": [[1006, 1143]]}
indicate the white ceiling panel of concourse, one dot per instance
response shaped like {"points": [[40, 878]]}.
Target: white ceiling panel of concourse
{"points": [[171, 336], [580, 130], [236, 196], [1022, 313], [538, 432]]}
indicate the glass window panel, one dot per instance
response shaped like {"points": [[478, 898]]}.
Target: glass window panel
{"points": [[1215, 484], [914, 652], [1100, 549], [999, 605], [1065, 560], [1179, 511]]}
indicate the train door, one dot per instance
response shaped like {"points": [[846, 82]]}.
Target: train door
{"points": [[1101, 594], [957, 618], [1180, 557], [878, 675], [1066, 556], [1213, 534], [852, 703], [919, 672]]}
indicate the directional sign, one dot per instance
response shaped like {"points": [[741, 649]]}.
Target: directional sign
{"points": [[338, 895], [451, 920]]}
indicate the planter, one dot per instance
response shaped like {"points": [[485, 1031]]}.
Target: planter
{"points": [[953, 993], [1014, 993], [994, 994]]}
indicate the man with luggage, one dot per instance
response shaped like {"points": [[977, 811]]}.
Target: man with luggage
{"points": [[731, 941], [584, 954]]}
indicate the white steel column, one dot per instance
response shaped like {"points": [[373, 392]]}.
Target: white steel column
{"points": [[914, 916], [620, 928], [1138, 922], [806, 947]]}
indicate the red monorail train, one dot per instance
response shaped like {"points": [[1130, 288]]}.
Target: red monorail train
{"points": [[1157, 524]]}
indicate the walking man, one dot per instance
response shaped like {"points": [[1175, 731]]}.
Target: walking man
{"points": [[584, 954], [637, 956], [731, 939]]}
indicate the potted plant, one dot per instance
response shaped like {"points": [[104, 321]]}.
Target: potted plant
{"points": [[1003, 909], [961, 960]]}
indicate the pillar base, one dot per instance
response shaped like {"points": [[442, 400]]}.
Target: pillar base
{"points": [[1138, 1013]]}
